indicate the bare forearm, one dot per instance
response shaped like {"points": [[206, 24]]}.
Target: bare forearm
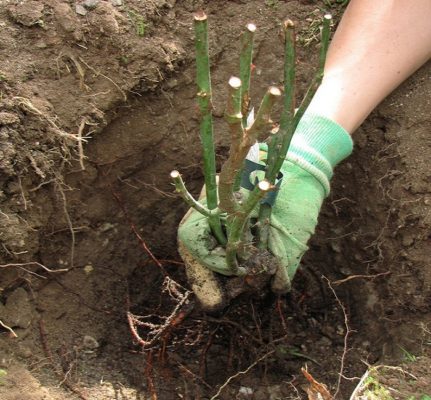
{"points": [[378, 44]]}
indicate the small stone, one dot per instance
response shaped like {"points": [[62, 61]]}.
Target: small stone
{"points": [[117, 2], [90, 343], [90, 4], [80, 10], [88, 269]]}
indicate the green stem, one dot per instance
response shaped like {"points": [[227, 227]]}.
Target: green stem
{"points": [[188, 198], [279, 143], [264, 218], [317, 80], [237, 226], [245, 61], [203, 81], [216, 228], [285, 131], [326, 31]]}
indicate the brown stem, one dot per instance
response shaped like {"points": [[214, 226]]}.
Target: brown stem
{"points": [[263, 123], [230, 169]]}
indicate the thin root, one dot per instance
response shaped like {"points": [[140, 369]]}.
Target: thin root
{"points": [[12, 332], [29, 106]]}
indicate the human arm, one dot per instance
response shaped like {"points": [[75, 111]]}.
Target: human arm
{"points": [[377, 45]]}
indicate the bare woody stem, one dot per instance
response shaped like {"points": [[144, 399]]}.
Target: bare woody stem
{"points": [[238, 223], [262, 124], [242, 140], [188, 198], [230, 169], [245, 62], [203, 81]]}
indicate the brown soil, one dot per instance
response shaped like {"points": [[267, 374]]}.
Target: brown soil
{"points": [[122, 77]]}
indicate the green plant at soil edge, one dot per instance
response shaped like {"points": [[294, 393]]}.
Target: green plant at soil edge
{"points": [[374, 390], [138, 21]]}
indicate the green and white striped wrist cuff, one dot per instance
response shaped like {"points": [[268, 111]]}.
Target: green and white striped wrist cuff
{"points": [[318, 145]]}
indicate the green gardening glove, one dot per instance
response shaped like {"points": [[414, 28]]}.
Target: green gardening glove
{"points": [[318, 145]]}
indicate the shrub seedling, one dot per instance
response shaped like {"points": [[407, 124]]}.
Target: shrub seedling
{"points": [[228, 209]]}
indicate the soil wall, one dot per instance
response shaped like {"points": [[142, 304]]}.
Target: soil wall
{"points": [[97, 107]]}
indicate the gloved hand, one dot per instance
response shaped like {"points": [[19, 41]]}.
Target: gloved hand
{"points": [[318, 145]]}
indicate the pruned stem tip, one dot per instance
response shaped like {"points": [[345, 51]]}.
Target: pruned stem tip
{"points": [[188, 198]]}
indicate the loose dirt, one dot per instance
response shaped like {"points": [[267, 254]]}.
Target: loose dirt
{"points": [[97, 107]]}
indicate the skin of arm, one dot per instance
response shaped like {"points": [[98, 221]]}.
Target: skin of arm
{"points": [[377, 45]]}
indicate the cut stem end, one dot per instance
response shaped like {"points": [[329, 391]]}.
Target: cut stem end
{"points": [[200, 16], [274, 91], [175, 174], [264, 185], [235, 82], [288, 24], [251, 28]]}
